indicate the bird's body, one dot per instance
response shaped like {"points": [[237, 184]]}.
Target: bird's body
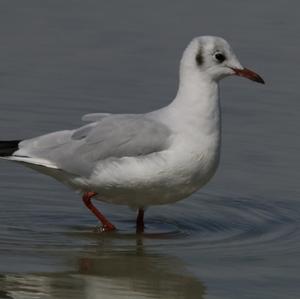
{"points": [[185, 162], [143, 159]]}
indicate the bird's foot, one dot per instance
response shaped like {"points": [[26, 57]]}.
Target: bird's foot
{"points": [[105, 228]]}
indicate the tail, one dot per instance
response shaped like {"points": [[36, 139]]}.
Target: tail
{"points": [[7, 148]]}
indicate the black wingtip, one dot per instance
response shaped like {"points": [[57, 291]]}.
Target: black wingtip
{"points": [[7, 148]]}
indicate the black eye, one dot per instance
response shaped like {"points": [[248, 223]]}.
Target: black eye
{"points": [[220, 57]]}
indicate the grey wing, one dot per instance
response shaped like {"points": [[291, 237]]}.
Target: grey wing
{"points": [[92, 117], [116, 136]]}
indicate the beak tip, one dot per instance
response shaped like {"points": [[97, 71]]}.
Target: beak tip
{"points": [[260, 80], [249, 75]]}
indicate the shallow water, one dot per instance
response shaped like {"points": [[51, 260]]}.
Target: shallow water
{"points": [[236, 238]]}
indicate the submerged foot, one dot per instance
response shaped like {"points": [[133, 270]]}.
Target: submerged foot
{"points": [[105, 228]]}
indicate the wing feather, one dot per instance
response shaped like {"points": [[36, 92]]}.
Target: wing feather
{"points": [[114, 136]]}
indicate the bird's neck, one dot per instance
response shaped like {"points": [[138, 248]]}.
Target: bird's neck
{"points": [[197, 103]]}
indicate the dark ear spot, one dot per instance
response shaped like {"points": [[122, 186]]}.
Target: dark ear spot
{"points": [[199, 57]]}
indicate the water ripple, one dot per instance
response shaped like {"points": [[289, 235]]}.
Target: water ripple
{"points": [[203, 223], [218, 223]]}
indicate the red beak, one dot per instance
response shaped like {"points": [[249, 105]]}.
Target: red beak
{"points": [[249, 74]]}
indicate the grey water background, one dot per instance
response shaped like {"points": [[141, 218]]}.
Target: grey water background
{"points": [[238, 237]]}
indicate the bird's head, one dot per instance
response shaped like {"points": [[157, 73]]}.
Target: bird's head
{"points": [[212, 57]]}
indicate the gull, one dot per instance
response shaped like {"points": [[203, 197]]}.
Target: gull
{"points": [[147, 159]]}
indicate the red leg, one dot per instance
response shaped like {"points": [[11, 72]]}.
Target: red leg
{"points": [[87, 197], [140, 221]]}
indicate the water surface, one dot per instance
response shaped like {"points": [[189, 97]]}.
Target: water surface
{"points": [[236, 238]]}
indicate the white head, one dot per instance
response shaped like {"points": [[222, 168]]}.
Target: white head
{"points": [[212, 58]]}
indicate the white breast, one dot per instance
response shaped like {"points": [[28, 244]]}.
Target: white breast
{"points": [[159, 178]]}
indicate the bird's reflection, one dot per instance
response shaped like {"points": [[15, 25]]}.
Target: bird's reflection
{"points": [[104, 272]]}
